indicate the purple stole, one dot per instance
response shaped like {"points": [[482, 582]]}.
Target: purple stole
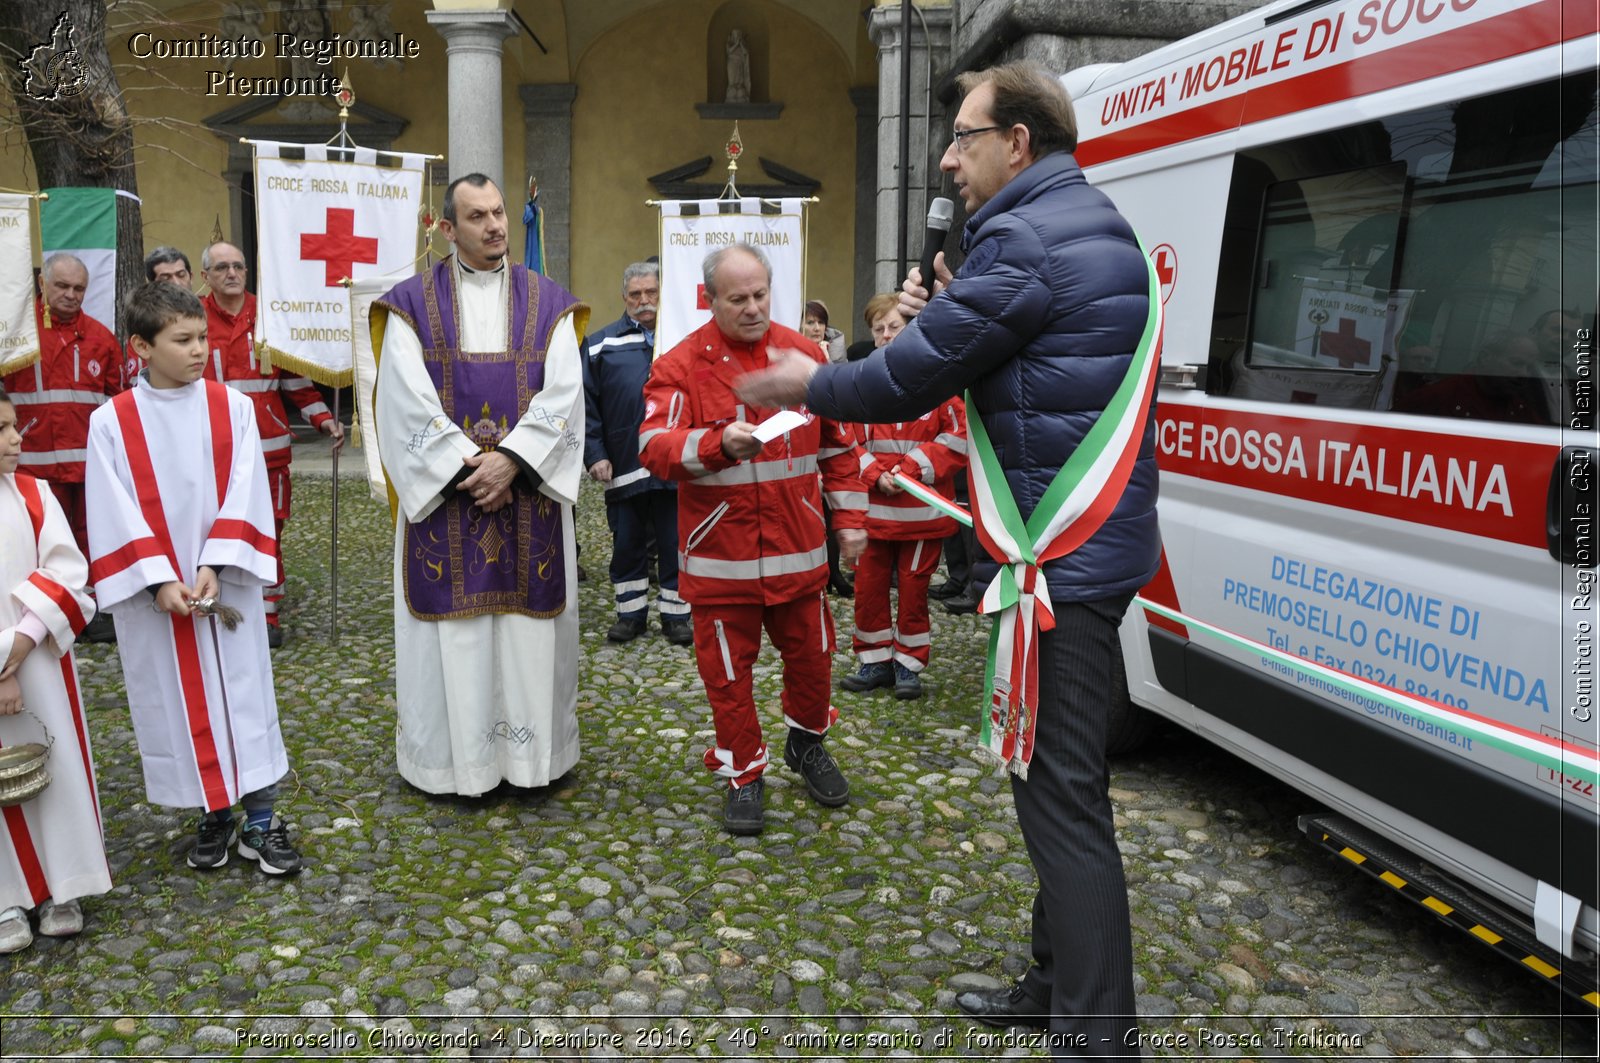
{"points": [[459, 560]]}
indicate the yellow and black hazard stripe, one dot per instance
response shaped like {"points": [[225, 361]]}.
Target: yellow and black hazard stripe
{"points": [[1450, 902]]}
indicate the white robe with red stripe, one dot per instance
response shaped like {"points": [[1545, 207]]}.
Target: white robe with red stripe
{"points": [[50, 846], [176, 480]]}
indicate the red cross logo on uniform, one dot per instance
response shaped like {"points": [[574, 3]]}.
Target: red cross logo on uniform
{"points": [[339, 248], [1166, 263]]}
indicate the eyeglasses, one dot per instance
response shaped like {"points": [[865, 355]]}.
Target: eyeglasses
{"points": [[959, 137], [227, 267]]}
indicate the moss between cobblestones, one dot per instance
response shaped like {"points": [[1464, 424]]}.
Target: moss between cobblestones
{"points": [[616, 891]]}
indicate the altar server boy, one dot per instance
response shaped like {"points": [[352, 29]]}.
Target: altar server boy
{"points": [[51, 848], [179, 513]]}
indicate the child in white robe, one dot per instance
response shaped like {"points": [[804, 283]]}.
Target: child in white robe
{"points": [[179, 517], [52, 851]]}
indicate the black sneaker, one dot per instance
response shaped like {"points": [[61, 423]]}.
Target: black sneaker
{"points": [[626, 629], [907, 684], [270, 848], [679, 630], [823, 779], [743, 813], [869, 677], [211, 845]]}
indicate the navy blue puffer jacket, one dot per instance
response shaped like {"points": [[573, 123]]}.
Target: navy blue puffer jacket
{"points": [[1041, 323]]}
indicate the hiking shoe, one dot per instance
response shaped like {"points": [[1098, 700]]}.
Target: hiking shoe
{"points": [[869, 677], [60, 920], [211, 845], [15, 933], [679, 632], [270, 848], [626, 629], [823, 779], [907, 684], [743, 813]]}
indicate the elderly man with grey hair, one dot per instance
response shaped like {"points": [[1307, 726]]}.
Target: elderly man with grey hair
{"points": [[751, 545], [642, 510]]}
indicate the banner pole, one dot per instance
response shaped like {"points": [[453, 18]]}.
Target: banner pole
{"points": [[333, 539]]}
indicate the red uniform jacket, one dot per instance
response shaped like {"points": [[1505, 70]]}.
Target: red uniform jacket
{"points": [[930, 450], [79, 367], [231, 339], [748, 531]]}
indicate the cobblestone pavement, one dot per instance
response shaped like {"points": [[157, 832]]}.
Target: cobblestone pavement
{"points": [[609, 915]]}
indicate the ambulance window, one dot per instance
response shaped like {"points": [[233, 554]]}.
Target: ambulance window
{"points": [[1321, 326], [1455, 244]]}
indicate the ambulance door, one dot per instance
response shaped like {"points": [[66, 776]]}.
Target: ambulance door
{"points": [[1400, 361]]}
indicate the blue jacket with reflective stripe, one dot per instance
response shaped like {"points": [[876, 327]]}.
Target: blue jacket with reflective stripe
{"points": [[1041, 323], [616, 363]]}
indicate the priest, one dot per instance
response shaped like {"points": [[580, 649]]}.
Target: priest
{"points": [[479, 415]]}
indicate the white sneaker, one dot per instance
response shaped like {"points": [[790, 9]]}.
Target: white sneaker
{"points": [[15, 934], [60, 920]]}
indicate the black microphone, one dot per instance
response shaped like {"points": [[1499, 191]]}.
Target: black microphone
{"points": [[941, 212]]}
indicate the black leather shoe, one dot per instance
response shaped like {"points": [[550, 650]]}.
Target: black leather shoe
{"points": [[274, 636], [743, 812], [678, 632], [1010, 1006], [626, 629], [947, 589], [961, 604]]}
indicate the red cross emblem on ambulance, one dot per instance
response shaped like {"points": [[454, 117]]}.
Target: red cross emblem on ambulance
{"points": [[1166, 262]]}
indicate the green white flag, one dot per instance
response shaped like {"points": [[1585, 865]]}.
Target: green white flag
{"points": [[83, 222]]}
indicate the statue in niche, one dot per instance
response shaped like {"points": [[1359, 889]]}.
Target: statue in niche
{"points": [[738, 69], [373, 22], [240, 22]]}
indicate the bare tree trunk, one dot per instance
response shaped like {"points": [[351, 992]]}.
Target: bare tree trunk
{"points": [[72, 113]]}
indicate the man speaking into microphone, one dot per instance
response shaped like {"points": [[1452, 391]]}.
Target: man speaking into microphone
{"points": [[1046, 318]]}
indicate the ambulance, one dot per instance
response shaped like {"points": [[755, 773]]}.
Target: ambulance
{"points": [[1374, 224]]}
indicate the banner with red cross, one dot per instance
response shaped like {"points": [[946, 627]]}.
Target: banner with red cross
{"points": [[326, 217], [1349, 326], [691, 229]]}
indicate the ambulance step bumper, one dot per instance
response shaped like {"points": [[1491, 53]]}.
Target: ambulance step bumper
{"points": [[1503, 931]]}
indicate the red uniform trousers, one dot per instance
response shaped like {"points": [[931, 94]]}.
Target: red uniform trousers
{"points": [[278, 484], [727, 639], [906, 639]]}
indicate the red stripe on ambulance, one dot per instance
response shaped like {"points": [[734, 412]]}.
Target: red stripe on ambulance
{"points": [[1493, 488]]}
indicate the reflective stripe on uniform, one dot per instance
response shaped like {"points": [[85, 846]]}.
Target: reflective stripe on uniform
{"points": [[906, 513], [956, 443], [766, 472], [847, 499], [773, 565], [691, 452], [78, 396], [51, 457], [628, 478]]}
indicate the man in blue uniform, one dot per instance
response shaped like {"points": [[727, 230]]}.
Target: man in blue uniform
{"points": [[641, 509]]}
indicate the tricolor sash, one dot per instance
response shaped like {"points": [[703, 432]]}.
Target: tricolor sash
{"points": [[1080, 498]]}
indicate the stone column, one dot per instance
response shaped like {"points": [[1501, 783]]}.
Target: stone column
{"points": [[473, 43], [547, 151], [864, 265], [926, 71]]}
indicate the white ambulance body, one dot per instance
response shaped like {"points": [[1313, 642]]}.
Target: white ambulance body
{"points": [[1375, 222]]}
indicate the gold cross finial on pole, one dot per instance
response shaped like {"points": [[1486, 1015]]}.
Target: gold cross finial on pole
{"points": [[733, 149]]}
